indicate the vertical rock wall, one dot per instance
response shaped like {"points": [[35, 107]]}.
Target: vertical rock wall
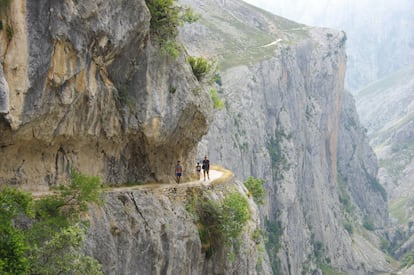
{"points": [[151, 232], [83, 87]]}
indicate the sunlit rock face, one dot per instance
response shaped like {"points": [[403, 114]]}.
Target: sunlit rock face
{"points": [[82, 87]]}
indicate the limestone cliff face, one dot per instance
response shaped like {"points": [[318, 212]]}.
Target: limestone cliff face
{"points": [[81, 86], [151, 232], [285, 121]]}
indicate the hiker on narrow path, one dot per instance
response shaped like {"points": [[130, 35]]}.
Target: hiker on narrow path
{"points": [[178, 171], [206, 167]]}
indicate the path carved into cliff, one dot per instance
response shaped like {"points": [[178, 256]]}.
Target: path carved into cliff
{"points": [[160, 188], [214, 175]]}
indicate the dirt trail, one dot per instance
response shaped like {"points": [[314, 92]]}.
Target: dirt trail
{"points": [[153, 187], [214, 174]]}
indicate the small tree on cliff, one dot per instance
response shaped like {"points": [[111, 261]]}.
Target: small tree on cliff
{"points": [[166, 17]]}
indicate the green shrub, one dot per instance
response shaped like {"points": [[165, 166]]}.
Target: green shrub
{"points": [[45, 236], [255, 187], [13, 246], [218, 223], [201, 67], [166, 17], [257, 235], [217, 102], [171, 48], [235, 213], [62, 254]]}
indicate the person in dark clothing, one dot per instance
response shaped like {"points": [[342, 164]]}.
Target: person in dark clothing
{"points": [[178, 171], [206, 167]]}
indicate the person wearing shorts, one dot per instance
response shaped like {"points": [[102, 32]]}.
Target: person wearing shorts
{"points": [[178, 171]]}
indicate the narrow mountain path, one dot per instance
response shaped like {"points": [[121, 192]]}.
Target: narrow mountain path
{"points": [[214, 175], [157, 188]]}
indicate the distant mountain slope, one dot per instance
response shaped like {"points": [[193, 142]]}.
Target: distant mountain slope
{"points": [[380, 36], [386, 108]]}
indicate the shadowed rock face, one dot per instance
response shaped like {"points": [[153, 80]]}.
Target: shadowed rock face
{"points": [[81, 86]]}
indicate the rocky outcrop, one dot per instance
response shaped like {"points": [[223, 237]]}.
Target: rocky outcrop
{"points": [[81, 86], [284, 122]]}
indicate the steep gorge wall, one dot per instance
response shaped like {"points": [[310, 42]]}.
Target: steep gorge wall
{"points": [[81, 86], [284, 122], [151, 232]]}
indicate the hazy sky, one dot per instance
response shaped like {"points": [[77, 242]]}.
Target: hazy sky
{"points": [[331, 13], [380, 32]]}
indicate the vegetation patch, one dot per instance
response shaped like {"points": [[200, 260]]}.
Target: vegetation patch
{"points": [[408, 259], [166, 17], [274, 233], [201, 67], [219, 222], [344, 197], [46, 236], [217, 102], [279, 161], [329, 270], [256, 189]]}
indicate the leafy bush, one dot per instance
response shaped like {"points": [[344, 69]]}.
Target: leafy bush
{"points": [[13, 247], [217, 102], [218, 223], [255, 187], [62, 254], [166, 17], [235, 213], [201, 67], [171, 48], [45, 236]]}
